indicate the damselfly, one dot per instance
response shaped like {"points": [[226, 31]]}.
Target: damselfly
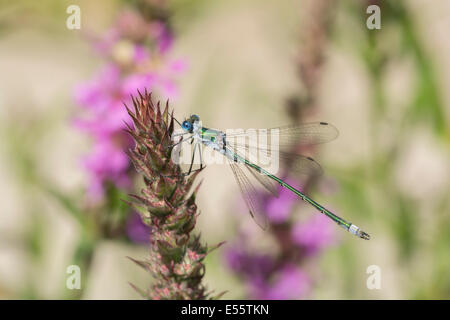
{"points": [[236, 152]]}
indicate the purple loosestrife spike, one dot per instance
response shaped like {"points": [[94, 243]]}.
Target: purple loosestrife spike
{"points": [[176, 255]]}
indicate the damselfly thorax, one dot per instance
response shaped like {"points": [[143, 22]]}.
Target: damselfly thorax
{"points": [[216, 140], [212, 138]]}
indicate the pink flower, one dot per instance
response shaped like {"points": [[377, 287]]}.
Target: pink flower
{"points": [[279, 209], [106, 163], [289, 283], [140, 54], [99, 93], [314, 235], [164, 36], [250, 265], [135, 54], [263, 276], [103, 97], [137, 231]]}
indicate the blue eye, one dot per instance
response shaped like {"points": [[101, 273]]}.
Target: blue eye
{"points": [[195, 117], [186, 125]]}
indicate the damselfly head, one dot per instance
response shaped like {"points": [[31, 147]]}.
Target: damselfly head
{"points": [[188, 124]]}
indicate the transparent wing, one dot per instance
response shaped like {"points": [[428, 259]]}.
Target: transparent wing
{"points": [[297, 134], [268, 183], [249, 194], [305, 165], [297, 163]]}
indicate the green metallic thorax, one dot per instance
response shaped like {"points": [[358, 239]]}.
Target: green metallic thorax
{"points": [[209, 134]]}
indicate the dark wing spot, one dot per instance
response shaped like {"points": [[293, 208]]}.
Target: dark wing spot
{"points": [[311, 159], [324, 123]]}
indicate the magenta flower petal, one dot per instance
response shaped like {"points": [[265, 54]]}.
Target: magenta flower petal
{"points": [[279, 209], [140, 54], [103, 96], [136, 230], [177, 66], [106, 162], [164, 37], [104, 46], [96, 94], [250, 265], [290, 283], [169, 88], [136, 82], [314, 235]]}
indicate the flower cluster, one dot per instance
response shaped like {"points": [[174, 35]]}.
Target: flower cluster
{"points": [[136, 54], [280, 276], [167, 205]]}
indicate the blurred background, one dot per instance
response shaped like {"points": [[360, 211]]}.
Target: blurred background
{"points": [[238, 64]]}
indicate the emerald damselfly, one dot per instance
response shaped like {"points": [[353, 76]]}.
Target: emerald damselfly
{"points": [[237, 155]]}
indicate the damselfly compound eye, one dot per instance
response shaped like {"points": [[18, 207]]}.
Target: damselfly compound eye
{"points": [[195, 117], [186, 125]]}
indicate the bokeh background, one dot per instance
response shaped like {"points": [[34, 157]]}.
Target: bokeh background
{"points": [[388, 172]]}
